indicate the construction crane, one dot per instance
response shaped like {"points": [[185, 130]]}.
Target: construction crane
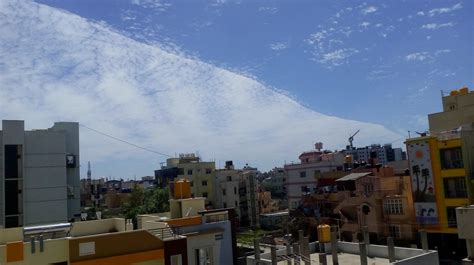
{"points": [[351, 138]]}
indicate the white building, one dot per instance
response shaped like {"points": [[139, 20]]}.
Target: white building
{"points": [[39, 174], [302, 178]]}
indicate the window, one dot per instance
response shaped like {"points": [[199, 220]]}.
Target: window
{"points": [[235, 190], [191, 184], [223, 192], [393, 206], [368, 189], [452, 221], [304, 189], [455, 188], [190, 171], [176, 260], [208, 171], [204, 256], [395, 231], [229, 178], [451, 158], [236, 204], [303, 174], [204, 182], [317, 174], [204, 194]]}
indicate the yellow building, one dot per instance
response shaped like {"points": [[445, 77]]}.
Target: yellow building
{"points": [[441, 170]]}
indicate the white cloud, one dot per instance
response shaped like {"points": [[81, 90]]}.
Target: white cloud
{"points": [[368, 10], [156, 5], [435, 26], [438, 52], [278, 46], [364, 24], [64, 67], [268, 9], [443, 10], [420, 13], [338, 57], [417, 56]]}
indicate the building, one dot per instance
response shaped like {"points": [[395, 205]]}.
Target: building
{"points": [[384, 154], [377, 199], [441, 168], [238, 188], [178, 237], [274, 220], [189, 166], [458, 109], [274, 182], [210, 234], [302, 178], [265, 203], [39, 174]]}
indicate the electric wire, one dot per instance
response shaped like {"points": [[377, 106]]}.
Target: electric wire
{"points": [[126, 142]]}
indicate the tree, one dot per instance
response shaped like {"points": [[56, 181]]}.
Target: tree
{"points": [[153, 200]]}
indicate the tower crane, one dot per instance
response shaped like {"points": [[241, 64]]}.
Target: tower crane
{"points": [[351, 138]]}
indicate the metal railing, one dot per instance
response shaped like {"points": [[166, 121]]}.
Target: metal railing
{"points": [[165, 232]]}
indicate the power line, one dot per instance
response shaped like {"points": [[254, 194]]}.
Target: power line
{"points": [[126, 142]]}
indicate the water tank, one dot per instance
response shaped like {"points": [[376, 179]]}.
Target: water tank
{"points": [[324, 233], [454, 93], [182, 189], [318, 145]]}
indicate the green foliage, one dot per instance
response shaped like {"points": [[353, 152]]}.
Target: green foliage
{"points": [[153, 200]]}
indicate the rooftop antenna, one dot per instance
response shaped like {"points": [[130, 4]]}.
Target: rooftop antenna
{"points": [[351, 139]]}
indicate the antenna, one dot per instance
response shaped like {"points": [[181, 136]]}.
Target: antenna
{"points": [[89, 172], [351, 138]]}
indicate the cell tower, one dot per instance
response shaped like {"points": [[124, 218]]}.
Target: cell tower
{"points": [[89, 172]]}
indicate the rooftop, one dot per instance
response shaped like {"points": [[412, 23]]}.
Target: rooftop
{"points": [[354, 176]]}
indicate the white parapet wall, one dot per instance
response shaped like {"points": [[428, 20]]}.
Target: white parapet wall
{"points": [[403, 256]]}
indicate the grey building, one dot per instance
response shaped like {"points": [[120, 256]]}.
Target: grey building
{"points": [[39, 174]]}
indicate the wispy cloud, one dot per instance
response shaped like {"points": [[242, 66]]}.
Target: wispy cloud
{"points": [[426, 56], [443, 10], [420, 13], [278, 46], [435, 26], [156, 5], [169, 102], [338, 57], [368, 10], [268, 9], [417, 56]]}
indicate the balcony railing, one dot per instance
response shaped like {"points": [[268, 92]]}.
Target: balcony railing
{"points": [[165, 232]]}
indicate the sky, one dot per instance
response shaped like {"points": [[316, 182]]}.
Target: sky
{"points": [[251, 81]]}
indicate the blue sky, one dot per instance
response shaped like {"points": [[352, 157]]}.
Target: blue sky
{"points": [[251, 81], [386, 61]]}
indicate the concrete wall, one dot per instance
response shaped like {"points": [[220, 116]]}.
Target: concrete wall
{"points": [[45, 180], [71, 131], [55, 250], [98, 227], [404, 256], [223, 255]]}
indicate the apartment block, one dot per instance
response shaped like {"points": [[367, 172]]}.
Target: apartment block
{"points": [[39, 174], [238, 188], [441, 169], [189, 166], [302, 178]]}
